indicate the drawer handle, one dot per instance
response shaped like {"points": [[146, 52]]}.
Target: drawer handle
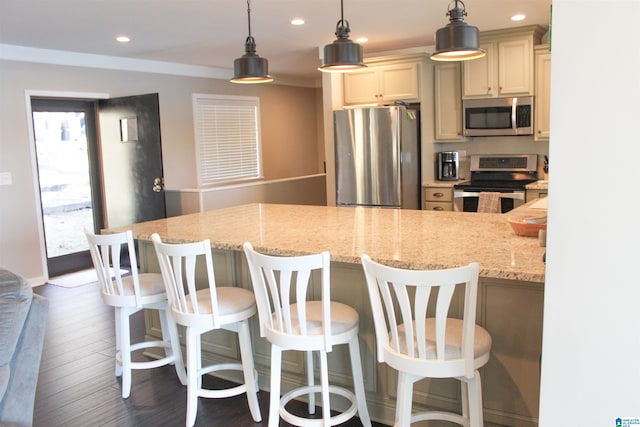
{"points": [[438, 208], [438, 194]]}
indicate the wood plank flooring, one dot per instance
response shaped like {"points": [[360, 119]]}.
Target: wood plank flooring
{"points": [[77, 385]]}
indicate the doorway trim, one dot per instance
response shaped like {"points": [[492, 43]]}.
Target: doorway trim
{"points": [[34, 160]]}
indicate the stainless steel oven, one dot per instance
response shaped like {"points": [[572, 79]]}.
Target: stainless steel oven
{"points": [[504, 174], [467, 201]]}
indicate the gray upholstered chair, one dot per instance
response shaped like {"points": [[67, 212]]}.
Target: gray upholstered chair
{"points": [[23, 318]]}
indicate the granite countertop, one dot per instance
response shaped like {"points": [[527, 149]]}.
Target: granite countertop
{"points": [[402, 238]]}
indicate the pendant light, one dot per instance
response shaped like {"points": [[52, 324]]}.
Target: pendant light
{"points": [[342, 54], [250, 68], [457, 41]]}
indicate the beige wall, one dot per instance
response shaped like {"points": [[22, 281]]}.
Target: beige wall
{"points": [[290, 135]]}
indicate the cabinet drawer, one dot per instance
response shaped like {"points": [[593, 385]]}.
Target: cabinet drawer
{"points": [[436, 206], [438, 194], [536, 194]]}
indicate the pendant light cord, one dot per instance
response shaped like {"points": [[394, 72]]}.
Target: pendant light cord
{"points": [[249, 16], [250, 43]]}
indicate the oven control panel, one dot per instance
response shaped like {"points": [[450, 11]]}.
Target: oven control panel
{"points": [[510, 162]]}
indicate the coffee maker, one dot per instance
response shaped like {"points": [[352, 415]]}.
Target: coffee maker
{"points": [[448, 165]]}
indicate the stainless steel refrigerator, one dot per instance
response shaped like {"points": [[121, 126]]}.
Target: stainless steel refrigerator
{"points": [[377, 157]]}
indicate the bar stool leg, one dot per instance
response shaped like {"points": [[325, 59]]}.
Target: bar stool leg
{"points": [[475, 401], [244, 339], [324, 381], [274, 398], [311, 407], [358, 382], [118, 341], [193, 375], [174, 340], [404, 400], [125, 350]]}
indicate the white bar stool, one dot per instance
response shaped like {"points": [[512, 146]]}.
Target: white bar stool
{"points": [[203, 310], [290, 322], [128, 295], [419, 344]]}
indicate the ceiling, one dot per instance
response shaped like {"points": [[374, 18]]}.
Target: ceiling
{"points": [[212, 33]]}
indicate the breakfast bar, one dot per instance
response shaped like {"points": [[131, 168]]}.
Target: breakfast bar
{"points": [[510, 297]]}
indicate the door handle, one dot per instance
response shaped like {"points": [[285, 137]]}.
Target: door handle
{"points": [[158, 184]]}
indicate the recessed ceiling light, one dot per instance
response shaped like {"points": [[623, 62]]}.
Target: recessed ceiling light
{"points": [[518, 17], [123, 39], [362, 40], [297, 21]]}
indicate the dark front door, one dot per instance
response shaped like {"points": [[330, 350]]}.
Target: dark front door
{"points": [[132, 159], [95, 173]]}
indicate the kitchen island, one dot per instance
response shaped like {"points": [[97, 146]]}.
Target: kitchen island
{"points": [[510, 297]]}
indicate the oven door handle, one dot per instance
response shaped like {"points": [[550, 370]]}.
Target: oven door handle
{"points": [[516, 195], [514, 109]]}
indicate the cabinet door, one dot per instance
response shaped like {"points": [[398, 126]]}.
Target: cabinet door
{"points": [[361, 87], [512, 314], [479, 74], [448, 101], [515, 67], [399, 82], [543, 95]]}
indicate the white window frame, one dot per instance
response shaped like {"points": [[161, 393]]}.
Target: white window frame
{"points": [[227, 134]]}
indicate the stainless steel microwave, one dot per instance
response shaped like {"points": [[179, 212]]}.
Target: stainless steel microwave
{"points": [[498, 116]]}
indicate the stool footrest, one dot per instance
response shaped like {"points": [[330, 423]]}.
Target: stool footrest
{"points": [[150, 363], [225, 392], [439, 415], [334, 420]]}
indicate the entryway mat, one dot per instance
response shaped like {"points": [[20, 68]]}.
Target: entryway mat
{"points": [[78, 278]]}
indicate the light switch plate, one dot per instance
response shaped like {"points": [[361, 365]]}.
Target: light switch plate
{"points": [[5, 178]]}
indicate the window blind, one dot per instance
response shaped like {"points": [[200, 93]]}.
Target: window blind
{"points": [[227, 138]]}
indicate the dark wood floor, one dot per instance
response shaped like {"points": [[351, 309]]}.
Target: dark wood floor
{"points": [[77, 385]]}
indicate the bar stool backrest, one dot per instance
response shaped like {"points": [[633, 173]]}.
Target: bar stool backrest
{"points": [[178, 267], [410, 333], [282, 287], [106, 252]]}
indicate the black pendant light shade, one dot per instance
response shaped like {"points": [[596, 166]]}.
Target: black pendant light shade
{"points": [[250, 68], [342, 54], [458, 41]]}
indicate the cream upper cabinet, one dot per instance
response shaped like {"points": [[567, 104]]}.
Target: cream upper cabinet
{"points": [[479, 74], [507, 69], [447, 101], [383, 83], [542, 92]]}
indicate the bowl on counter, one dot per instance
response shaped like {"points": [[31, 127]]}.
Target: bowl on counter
{"points": [[527, 225]]}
